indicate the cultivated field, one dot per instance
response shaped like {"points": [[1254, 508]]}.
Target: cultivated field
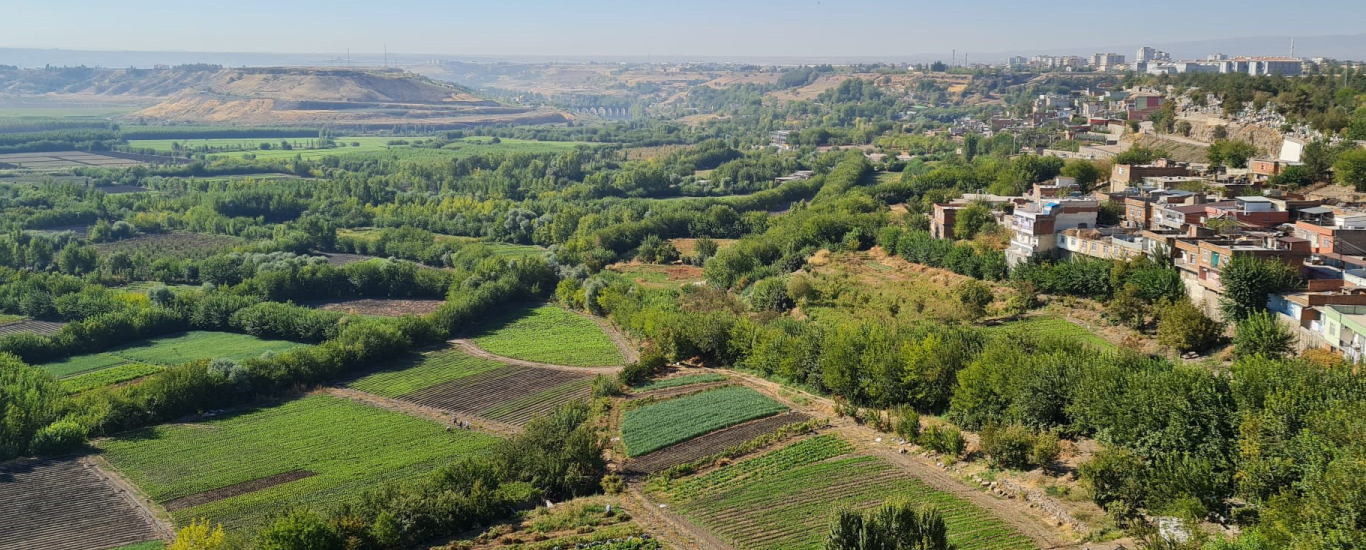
{"points": [[659, 275], [712, 443], [784, 499], [658, 425], [30, 326], [64, 159], [181, 245], [678, 381], [239, 146], [66, 505], [453, 381], [315, 451], [171, 350], [381, 307], [339, 260], [549, 334], [109, 376]]}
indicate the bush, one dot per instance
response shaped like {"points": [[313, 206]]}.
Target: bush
{"points": [[770, 295], [648, 365], [606, 386], [945, 440], [58, 437], [1008, 446], [199, 536], [908, 423], [1262, 333], [1183, 327]]}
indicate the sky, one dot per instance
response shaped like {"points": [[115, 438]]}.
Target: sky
{"points": [[652, 27]]}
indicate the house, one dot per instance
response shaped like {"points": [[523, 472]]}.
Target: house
{"points": [[1126, 175], [1263, 169], [1034, 226], [1108, 243], [795, 176], [1330, 234], [945, 216], [1201, 261], [1344, 328], [1248, 211]]}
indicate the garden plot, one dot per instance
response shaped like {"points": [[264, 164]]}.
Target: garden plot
{"points": [[381, 307], [178, 245], [170, 350], [658, 425], [711, 444], [30, 326], [785, 499], [552, 335], [452, 381], [316, 451], [64, 159], [66, 505]]}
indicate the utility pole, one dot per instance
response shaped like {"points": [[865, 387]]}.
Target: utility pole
{"points": [[953, 61]]}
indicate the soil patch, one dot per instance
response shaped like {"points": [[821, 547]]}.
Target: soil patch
{"points": [[338, 260], [67, 504], [31, 326], [236, 489]]}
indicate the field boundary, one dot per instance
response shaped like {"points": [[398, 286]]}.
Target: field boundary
{"points": [[152, 512], [470, 348], [422, 411]]}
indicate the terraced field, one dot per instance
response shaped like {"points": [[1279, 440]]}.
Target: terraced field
{"points": [[65, 505], [170, 350], [656, 426], [784, 499], [453, 381], [549, 334], [312, 451]]}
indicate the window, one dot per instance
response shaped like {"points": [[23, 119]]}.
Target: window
{"points": [[1214, 259]]}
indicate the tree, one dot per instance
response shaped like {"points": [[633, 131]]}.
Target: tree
{"points": [[896, 525], [1262, 334], [1183, 327], [1234, 153], [1293, 176], [1350, 169], [1220, 132], [199, 536], [705, 247], [1248, 280], [972, 220], [1139, 155], [974, 296], [1084, 171]]}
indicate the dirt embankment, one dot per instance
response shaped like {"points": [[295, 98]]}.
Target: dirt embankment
{"points": [[1266, 139]]}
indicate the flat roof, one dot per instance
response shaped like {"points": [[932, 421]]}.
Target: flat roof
{"points": [[1317, 210], [1253, 198]]}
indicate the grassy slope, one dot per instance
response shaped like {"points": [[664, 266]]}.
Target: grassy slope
{"points": [[350, 446], [550, 334], [666, 423], [418, 373]]}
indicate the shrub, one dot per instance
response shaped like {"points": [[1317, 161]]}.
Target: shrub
{"points": [[908, 423], [1261, 333], [199, 536], [606, 386], [1046, 449], [894, 525], [945, 440], [1008, 446], [58, 437], [1183, 327]]}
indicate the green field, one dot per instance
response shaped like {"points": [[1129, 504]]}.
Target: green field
{"points": [[253, 145], [63, 112], [785, 499], [666, 423], [550, 334], [107, 376], [349, 446], [681, 381], [1054, 327], [171, 350], [500, 249], [421, 372]]}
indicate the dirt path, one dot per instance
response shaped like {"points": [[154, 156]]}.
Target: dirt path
{"points": [[470, 348], [1015, 513], [671, 528], [413, 409], [628, 349], [157, 516]]}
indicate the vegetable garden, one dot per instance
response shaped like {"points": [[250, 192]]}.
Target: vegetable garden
{"points": [[348, 446], [170, 350], [656, 426], [549, 334]]}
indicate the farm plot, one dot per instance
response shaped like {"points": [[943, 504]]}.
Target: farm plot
{"points": [[64, 159], [66, 505], [784, 499], [679, 381], [659, 425], [511, 395], [381, 307], [171, 350], [30, 326], [314, 451], [181, 245], [452, 381], [712, 443], [549, 334], [338, 260]]}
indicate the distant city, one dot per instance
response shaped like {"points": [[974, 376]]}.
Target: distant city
{"points": [[1153, 61]]}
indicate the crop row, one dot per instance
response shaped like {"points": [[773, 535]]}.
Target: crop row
{"points": [[772, 507], [662, 424], [681, 381], [424, 371], [350, 446], [111, 375], [808, 451], [553, 335]]}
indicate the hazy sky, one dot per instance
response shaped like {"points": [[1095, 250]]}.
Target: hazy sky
{"points": [[674, 27]]}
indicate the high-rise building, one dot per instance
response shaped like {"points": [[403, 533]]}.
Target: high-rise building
{"points": [[1144, 55], [1106, 61]]}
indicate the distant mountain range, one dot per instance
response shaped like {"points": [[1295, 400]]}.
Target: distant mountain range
{"points": [[1337, 47]]}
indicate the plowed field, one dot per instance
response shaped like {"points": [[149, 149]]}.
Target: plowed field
{"points": [[65, 505]]}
